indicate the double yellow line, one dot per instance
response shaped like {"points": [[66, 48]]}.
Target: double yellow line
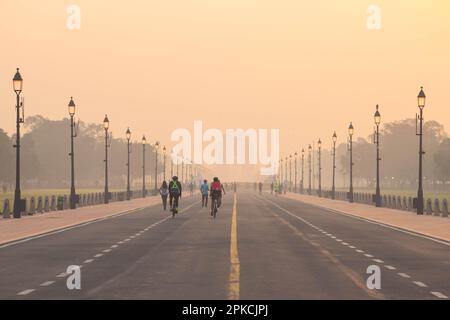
{"points": [[235, 270]]}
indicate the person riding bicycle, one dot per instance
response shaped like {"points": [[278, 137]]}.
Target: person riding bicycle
{"points": [[204, 189], [174, 193], [215, 193]]}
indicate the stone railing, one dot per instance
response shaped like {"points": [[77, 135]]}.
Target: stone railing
{"points": [[41, 204], [435, 207]]}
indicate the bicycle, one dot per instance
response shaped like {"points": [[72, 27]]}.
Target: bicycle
{"points": [[174, 207], [215, 201]]}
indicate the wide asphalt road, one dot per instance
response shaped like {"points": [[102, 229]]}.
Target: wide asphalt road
{"points": [[258, 247]]}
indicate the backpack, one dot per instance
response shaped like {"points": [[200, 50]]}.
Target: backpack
{"points": [[174, 187], [215, 186]]}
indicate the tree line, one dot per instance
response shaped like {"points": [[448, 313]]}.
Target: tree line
{"points": [[45, 161]]}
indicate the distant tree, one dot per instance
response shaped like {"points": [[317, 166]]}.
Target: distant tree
{"points": [[6, 158], [442, 160]]}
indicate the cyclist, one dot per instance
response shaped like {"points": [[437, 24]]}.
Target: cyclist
{"points": [[174, 194], [204, 189], [215, 193]]}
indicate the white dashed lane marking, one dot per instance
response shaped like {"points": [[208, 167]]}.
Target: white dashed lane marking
{"points": [[61, 275], [439, 295], [404, 275], [25, 292], [420, 284], [47, 283], [98, 255], [88, 261], [390, 267]]}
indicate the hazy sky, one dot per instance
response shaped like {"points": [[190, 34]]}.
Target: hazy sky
{"points": [[305, 67]]}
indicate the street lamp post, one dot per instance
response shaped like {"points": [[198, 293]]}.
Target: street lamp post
{"points": [[106, 127], [156, 167], [350, 135], [295, 172], [309, 164], [319, 143], [164, 152], [73, 196], [144, 142], [182, 170], [285, 173], [281, 171], [290, 172], [376, 137], [128, 135], [17, 85], [171, 166], [421, 104], [333, 188], [303, 170]]}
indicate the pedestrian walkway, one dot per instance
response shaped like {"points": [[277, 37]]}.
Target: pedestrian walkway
{"points": [[29, 226], [435, 227]]}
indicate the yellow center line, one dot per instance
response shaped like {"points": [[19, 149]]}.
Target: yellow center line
{"points": [[233, 286]]}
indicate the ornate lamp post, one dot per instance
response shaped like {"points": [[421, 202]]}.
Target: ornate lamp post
{"points": [[281, 172], [128, 135], [171, 166], [421, 104], [144, 142], [285, 173], [319, 144], [350, 140], [164, 152], [309, 164], [303, 170], [290, 172], [295, 172], [73, 134], [17, 86], [333, 188], [106, 127], [156, 167], [376, 140]]}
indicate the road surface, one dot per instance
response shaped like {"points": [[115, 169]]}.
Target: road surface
{"points": [[258, 247]]}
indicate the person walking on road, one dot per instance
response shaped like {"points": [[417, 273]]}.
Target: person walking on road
{"points": [[164, 192], [174, 194], [204, 189], [260, 186]]}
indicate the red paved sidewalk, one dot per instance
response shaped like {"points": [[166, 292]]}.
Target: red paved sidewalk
{"points": [[28, 226]]}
